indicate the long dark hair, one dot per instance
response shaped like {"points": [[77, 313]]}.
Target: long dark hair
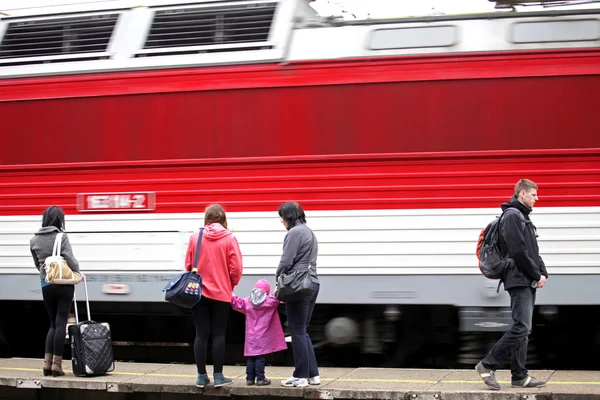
{"points": [[54, 216], [292, 212]]}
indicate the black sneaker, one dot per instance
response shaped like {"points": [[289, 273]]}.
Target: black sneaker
{"points": [[263, 382], [529, 382], [249, 382], [488, 376]]}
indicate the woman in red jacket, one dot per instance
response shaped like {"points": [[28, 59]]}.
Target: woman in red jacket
{"points": [[220, 266]]}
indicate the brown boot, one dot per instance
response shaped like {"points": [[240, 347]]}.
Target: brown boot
{"points": [[57, 366], [47, 364]]}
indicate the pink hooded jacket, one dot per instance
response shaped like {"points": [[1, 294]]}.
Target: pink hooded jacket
{"points": [[264, 333], [219, 263]]}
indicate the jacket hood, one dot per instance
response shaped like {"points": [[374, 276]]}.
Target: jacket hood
{"points": [[215, 231], [515, 203], [257, 297], [264, 285], [47, 229]]}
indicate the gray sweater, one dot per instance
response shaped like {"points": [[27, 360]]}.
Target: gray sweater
{"points": [[297, 251], [41, 245]]}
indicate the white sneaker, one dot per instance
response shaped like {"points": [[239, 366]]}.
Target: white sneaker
{"points": [[289, 382], [301, 382], [315, 380], [294, 382]]}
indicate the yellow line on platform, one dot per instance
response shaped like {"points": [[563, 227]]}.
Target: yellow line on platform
{"points": [[547, 383], [465, 381], [385, 380], [20, 369], [123, 373], [572, 383], [367, 380]]}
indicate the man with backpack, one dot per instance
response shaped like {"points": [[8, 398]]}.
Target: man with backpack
{"points": [[524, 274]]}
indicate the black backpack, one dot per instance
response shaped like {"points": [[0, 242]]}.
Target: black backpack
{"points": [[491, 255]]}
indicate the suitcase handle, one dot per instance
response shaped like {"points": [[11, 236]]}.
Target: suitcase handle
{"points": [[87, 301]]}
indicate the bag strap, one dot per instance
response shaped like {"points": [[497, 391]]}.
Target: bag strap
{"points": [[195, 266], [514, 210], [312, 248], [57, 244]]}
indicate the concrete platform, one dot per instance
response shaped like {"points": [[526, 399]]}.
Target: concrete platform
{"points": [[336, 383]]}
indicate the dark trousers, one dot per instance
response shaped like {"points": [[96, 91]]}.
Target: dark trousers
{"points": [[255, 368], [58, 300], [514, 341], [210, 317], [299, 314]]}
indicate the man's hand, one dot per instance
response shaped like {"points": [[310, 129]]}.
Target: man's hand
{"points": [[541, 282]]}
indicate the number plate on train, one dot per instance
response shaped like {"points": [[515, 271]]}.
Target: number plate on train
{"points": [[109, 202]]}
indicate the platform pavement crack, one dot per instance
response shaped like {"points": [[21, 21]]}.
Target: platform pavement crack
{"points": [[141, 375], [551, 375], [450, 372], [339, 377], [433, 385]]}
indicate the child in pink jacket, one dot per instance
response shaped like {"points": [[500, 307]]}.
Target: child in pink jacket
{"points": [[264, 333]]}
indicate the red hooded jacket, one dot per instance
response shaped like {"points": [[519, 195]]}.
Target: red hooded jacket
{"points": [[219, 263]]}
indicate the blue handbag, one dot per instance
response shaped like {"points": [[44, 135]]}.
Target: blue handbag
{"points": [[185, 290]]}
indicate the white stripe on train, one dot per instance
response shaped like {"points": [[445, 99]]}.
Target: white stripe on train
{"points": [[354, 242]]}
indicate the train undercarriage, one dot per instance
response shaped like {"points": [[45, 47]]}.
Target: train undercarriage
{"points": [[350, 335]]}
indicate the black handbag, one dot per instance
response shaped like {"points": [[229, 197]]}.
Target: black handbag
{"points": [[295, 285], [185, 290]]}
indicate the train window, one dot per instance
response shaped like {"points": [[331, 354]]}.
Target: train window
{"points": [[210, 28], [416, 37], [556, 31], [49, 39]]}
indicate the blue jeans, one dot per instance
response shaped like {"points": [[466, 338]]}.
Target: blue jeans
{"points": [[299, 314], [255, 368], [514, 341]]}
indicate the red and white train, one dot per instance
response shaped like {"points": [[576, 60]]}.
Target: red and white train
{"points": [[400, 137]]}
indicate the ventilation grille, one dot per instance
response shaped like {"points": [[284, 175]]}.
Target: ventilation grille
{"points": [[222, 28], [43, 40]]}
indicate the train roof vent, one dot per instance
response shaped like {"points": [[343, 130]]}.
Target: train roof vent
{"points": [[57, 39], [210, 29]]}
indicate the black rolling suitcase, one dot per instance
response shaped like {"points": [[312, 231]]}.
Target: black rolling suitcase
{"points": [[91, 344]]}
